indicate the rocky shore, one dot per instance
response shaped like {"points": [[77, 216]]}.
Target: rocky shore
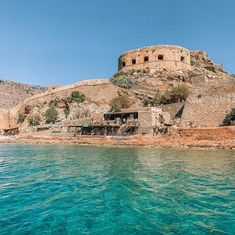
{"points": [[201, 138]]}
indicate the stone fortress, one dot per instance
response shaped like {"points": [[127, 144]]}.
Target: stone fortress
{"points": [[171, 64], [162, 56]]}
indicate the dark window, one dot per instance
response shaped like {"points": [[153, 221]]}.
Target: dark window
{"points": [[160, 57], [123, 64], [182, 59], [146, 59], [133, 61]]}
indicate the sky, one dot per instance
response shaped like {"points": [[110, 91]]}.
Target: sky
{"points": [[46, 42]]}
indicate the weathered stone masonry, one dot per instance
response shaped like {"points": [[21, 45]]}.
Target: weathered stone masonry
{"points": [[167, 57]]}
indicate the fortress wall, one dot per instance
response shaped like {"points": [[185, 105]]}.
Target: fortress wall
{"points": [[167, 57], [208, 104], [97, 91], [94, 90], [83, 86]]}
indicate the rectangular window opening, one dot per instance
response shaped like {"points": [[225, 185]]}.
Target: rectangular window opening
{"points": [[146, 59], [133, 61], [160, 57]]}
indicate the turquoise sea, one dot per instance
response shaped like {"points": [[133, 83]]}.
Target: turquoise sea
{"points": [[59, 189]]}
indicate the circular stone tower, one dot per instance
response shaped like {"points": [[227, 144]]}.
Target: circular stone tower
{"points": [[162, 56]]}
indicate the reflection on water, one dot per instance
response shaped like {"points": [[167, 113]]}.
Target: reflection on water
{"points": [[54, 189]]}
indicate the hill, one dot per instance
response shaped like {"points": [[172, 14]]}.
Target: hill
{"points": [[12, 93]]}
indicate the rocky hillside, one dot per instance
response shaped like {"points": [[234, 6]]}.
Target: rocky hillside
{"points": [[206, 90], [12, 93], [145, 83]]}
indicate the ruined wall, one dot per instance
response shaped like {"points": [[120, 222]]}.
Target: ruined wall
{"points": [[100, 92], [209, 103], [167, 57]]}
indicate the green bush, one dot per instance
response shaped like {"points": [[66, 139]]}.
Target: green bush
{"points": [[34, 120], [229, 118], [148, 102], [76, 97], [211, 68], [66, 112], [177, 94], [51, 114], [21, 118], [166, 98], [118, 103], [122, 80]]}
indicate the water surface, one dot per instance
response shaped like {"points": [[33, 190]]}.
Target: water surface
{"points": [[55, 189]]}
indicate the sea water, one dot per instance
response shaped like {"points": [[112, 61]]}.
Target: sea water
{"points": [[59, 189]]}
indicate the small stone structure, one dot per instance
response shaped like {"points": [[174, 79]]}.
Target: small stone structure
{"points": [[163, 56], [146, 119], [128, 121]]}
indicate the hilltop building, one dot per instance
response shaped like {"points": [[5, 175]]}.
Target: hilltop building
{"points": [[144, 72], [163, 56]]}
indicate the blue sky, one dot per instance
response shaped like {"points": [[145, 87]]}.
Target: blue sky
{"points": [[64, 41]]}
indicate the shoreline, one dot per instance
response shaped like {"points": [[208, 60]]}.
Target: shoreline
{"points": [[150, 141]]}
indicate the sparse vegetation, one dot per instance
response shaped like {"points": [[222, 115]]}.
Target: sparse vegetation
{"points": [[51, 114], [230, 117], [118, 103], [177, 94], [21, 118], [76, 97], [211, 68], [34, 120], [66, 112], [154, 101], [122, 80], [192, 74]]}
